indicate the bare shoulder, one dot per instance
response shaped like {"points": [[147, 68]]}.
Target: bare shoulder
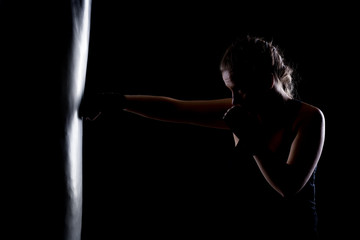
{"points": [[309, 115], [308, 110]]}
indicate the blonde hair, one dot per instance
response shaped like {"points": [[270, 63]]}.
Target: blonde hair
{"points": [[257, 57]]}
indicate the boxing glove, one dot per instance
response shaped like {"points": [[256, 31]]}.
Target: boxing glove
{"points": [[93, 105]]}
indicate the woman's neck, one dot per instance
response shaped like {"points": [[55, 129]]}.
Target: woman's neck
{"points": [[274, 107]]}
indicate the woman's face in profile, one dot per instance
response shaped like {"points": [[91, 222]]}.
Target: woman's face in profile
{"points": [[247, 92]]}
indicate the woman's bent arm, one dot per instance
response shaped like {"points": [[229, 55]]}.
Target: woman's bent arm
{"points": [[305, 152]]}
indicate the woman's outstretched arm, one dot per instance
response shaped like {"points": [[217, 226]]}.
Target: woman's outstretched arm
{"points": [[206, 113]]}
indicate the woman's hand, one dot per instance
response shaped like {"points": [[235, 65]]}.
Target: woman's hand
{"points": [[247, 127]]}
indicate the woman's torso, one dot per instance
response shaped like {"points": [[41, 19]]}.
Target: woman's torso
{"points": [[255, 202]]}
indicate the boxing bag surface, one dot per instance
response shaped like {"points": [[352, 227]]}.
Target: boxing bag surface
{"points": [[44, 50]]}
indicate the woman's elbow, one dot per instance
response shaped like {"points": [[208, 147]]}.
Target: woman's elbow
{"points": [[289, 190]]}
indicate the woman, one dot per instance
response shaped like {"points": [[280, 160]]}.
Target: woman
{"points": [[278, 139]]}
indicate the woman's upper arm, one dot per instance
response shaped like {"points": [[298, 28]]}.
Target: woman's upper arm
{"points": [[307, 146], [208, 113]]}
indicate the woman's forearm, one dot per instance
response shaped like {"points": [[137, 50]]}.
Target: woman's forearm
{"points": [[206, 113], [154, 107]]}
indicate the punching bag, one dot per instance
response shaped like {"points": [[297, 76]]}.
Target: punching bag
{"points": [[43, 56]]}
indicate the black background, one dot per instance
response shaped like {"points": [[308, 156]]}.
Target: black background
{"points": [[147, 178]]}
